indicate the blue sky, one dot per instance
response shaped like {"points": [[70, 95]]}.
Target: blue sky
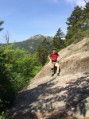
{"points": [[25, 18]]}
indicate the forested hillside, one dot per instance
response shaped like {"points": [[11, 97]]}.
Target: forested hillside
{"points": [[32, 43], [20, 62]]}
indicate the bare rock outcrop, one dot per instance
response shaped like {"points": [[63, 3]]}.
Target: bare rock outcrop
{"points": [[58, 97]]}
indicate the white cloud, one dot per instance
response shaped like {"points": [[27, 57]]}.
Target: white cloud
{"points": [[78, 2]]}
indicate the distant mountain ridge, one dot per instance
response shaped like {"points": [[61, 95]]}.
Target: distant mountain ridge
{"points": [[39, 36], [32, 43]]}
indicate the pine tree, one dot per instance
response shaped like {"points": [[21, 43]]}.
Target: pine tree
{"points": [[46, 45], [72, 21], [43, 50], [74, 24], [78, 24], [59, 34], [57, 40], [42, 54]]}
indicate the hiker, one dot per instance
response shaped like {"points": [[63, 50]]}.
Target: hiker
{"points": [[54, 62]]}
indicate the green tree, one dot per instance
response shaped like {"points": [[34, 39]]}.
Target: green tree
{"points": [[59, 34], [42, 51], [72, 22], [21, 65], [42, 54], [17, 68], [57, 40], [46, 45], [78, 25], [7, 92]]}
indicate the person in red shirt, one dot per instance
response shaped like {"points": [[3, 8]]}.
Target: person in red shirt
{"points": [[53, 59]]}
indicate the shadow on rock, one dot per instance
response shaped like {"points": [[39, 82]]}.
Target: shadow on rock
{"points": [[28, 102]]}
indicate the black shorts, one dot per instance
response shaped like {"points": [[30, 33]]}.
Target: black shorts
{"points": [[54, 61]]}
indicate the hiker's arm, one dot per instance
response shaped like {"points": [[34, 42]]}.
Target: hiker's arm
{"points": [[60, 56]]}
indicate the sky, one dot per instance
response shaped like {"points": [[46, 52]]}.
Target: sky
{"points": [[26, 18]]}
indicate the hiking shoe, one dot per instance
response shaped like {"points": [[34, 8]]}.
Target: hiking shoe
{"points": [[52, 75], [58, 74]]}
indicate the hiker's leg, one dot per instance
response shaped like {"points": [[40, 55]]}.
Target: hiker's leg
{"points": [[52, 68], [58, 67], [52, 65]]}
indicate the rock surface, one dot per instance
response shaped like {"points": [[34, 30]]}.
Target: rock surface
{"points": [[49, 97]]}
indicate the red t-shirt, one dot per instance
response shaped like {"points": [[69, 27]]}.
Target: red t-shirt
{"points": [[54, 56]]}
